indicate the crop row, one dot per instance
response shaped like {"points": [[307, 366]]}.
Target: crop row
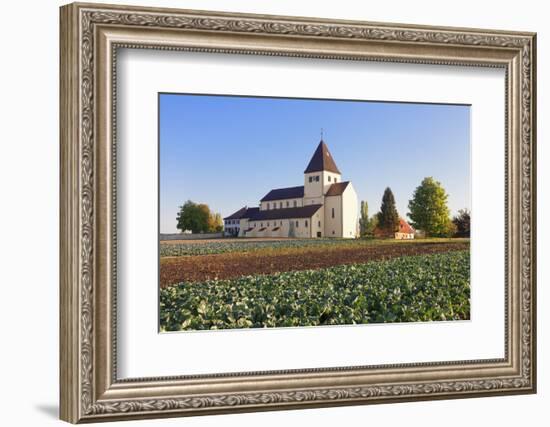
{"points": [[207, 248], [408, 289]]}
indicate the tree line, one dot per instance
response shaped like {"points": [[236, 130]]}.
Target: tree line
{"points": [[428, 211], [198, 218]]}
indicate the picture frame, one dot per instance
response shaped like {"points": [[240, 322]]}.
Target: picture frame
{"points": [[91, 36]]}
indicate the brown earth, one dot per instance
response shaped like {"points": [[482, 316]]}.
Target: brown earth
{"points": [[231, 265]]}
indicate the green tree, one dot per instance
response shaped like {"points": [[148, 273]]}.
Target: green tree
{"points": [[192, 216], [428, 209], [198, 218], [462, 223], [388, 218]]}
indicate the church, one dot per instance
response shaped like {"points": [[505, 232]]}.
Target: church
{"points": [[325, 206]]}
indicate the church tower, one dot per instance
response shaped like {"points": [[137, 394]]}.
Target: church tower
{"points": [[320, 174]]}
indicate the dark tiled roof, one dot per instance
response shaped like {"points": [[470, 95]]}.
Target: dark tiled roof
{"points": [[242, 213], [237, 215], [322, 160], [337, 189], [287, 213], [284, 193]]}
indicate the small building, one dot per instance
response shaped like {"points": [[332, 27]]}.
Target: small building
{"points": [[325, 206], [232, 223], [404, 232]]}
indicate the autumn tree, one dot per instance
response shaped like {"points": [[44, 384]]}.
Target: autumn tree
{"points": [[215, 223], [388, 218], [462, 223], [428, 209]]}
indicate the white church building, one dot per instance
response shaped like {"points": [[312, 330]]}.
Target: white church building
{"points": [[325, 206]]}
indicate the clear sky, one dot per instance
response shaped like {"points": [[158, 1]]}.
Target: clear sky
{"points": [[229, 151]]}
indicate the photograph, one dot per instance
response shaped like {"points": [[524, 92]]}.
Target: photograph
{"points": [[289, 212]]}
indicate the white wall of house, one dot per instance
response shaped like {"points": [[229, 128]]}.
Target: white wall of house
{"points": [[349, 212], [404, 236]]}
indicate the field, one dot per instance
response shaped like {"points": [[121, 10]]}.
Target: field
{"points": [[290, 282]]}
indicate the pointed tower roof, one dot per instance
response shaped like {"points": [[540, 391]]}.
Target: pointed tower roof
{"points": [[322, 160]]}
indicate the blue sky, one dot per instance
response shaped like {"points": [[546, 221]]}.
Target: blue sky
{"points": [[229, 151]]}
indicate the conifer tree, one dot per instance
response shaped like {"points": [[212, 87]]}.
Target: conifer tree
{"points": [[388, 218]]}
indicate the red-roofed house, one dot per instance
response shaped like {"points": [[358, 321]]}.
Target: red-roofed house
{"points": [[405, 232]]}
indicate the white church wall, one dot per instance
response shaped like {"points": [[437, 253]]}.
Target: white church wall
{"points": [[314, 188], [317, 223], [333, 216], [281, 204], [350, 212], [330, 178]]}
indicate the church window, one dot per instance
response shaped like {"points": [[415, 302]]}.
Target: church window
{"points": [[306, 222], [319, 224], [280, 205], [335, 179], [287, 203], [329, 178], [268, 206], [310, 179], [317, 178], [294, 203], [297, 224], [333, 212]]}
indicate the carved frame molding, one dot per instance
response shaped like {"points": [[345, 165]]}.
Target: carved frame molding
{"points": [[90, 36]]}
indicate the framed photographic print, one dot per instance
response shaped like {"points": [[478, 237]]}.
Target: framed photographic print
{"points": [[265, 212]]}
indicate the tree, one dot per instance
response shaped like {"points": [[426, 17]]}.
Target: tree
{"points": [[215, 223], [462, 223], [198, 218], [364, 219], [388, 218], [192, 217], [366, 224], [428, 209]]}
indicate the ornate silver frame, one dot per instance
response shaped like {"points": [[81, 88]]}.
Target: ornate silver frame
{"points": [[90, 36]]}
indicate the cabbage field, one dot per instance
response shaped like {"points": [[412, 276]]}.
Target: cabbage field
{"points": [[432, 287]]}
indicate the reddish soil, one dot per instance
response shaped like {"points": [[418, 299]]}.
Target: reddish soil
{"points": [[230, 265]]}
